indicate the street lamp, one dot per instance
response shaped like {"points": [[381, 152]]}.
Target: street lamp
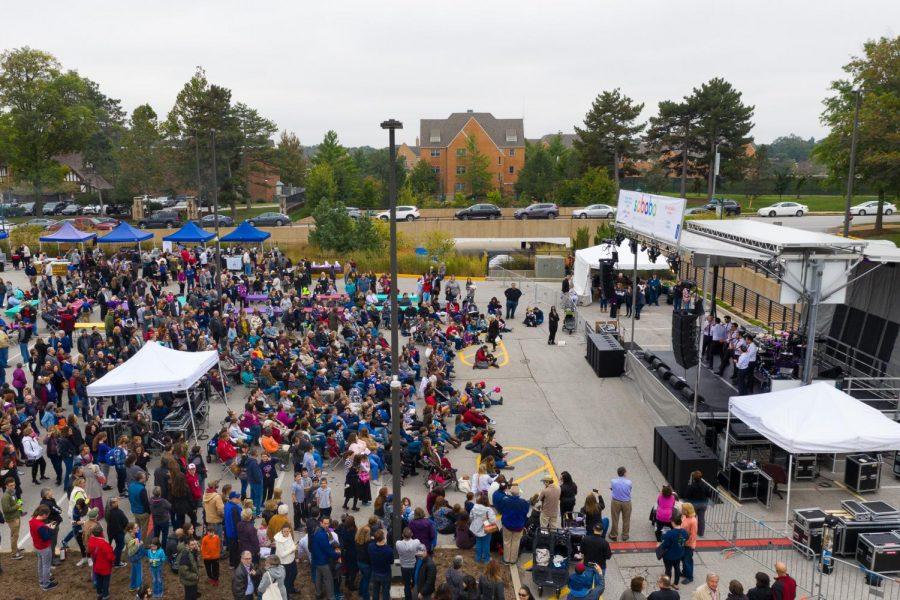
{"points": [[218, 259], [858, 93], [392, 125]]}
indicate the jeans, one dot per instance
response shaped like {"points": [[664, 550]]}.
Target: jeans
{"points": [[137, 571], [101, 582], [256, 495], [688, 562], [673, 570], [4, 359], [45, 557], [56, 461], [23, 350], [120, 478], [119, 539], [408, 574], [483, 548], [511, 309], [381, 587], [156, 573], [325, 583], [69, 463], [364, 579], [161, 531], [290, 576], [700, 507]]}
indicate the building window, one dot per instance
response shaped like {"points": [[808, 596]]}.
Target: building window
{"points": [[512, 151], [435, 153], [499, 160], [511, 135], [460, 152], [460, 187], [435, 170], [460, 170], [512, 169], [435, 135]]}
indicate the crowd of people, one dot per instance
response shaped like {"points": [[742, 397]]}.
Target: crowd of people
{"points": [[311, 368]]}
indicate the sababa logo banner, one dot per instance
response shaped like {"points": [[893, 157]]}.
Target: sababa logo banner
{"points": [[645, 206]]}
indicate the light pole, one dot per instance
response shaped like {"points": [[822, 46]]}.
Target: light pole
{"points": [[396, 468], [850, 175], [218, 257]]}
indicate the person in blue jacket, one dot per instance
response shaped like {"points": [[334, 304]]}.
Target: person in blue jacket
{"points": [[671, 550], [255, 480], [586, 582], [232, 518], [514, 510], [321, 555]]}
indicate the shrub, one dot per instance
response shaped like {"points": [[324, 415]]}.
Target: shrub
{"points": [[438, 245]]}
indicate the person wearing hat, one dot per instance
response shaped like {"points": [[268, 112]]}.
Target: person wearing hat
{"points": [[549, 498], [586, 582], [514, 515]]}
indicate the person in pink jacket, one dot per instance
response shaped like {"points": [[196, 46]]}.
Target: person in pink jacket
{"points": [[665, 505], [18, 381]]}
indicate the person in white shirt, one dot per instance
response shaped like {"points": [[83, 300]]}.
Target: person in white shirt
{"points": [[707, 347], [719, 337], [745, 362]]}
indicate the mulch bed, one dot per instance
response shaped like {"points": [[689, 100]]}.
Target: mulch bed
{"points": [[19, 579]]}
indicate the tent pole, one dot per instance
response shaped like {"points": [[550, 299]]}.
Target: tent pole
{"points": [[634, 284], [727, 428], [222, 378], [815, 266], [700, 345], [787, 505], [191, 410]]}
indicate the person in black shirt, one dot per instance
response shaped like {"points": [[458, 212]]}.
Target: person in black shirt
{"points": [[595, 548], [665, 591], [512, 294]]}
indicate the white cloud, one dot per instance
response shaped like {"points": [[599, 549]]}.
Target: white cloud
{"points": [[348, 64]]}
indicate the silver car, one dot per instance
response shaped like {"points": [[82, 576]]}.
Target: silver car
{"points": [[594, 211]]}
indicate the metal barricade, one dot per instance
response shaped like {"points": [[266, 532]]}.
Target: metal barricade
{"points": [[851, 581]]}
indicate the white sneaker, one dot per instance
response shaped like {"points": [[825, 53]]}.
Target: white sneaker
{"points": [[91, 562], [82, 562]]}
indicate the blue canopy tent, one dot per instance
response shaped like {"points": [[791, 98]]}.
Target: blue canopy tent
{"points": [[190, 233], [246, 232], [124, 233], [67, 234]]}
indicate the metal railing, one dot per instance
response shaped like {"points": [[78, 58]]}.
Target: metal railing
{"points": [[765, 546], [746, 301], [833, 352], [882, 393]]}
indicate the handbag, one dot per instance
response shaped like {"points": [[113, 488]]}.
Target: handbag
{"points": [[660, 552], [272, 592], [653, 515], [490, 527]]}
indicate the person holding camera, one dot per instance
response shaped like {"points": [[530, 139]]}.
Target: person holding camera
{"points": [[514, 515]]}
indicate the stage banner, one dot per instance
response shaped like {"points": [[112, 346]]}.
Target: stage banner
{"points": [[655, 216]]}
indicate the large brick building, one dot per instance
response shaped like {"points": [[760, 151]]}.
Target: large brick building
{"points": [[443, 144]]}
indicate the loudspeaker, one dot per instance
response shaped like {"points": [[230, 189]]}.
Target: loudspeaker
{"points": [[687, 392], [684, 339], [607, 278], [677, 451]]}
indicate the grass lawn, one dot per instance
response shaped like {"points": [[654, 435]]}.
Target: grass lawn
{"points": [[817, 203]]}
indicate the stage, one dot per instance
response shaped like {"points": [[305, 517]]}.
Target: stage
{"points": [[714, 390]]}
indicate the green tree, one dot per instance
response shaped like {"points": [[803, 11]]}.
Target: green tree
{"points": [[477, 176], [422, 179], [290, 159], [538, 177], [595, 187], [367, 236], [371, 193], [656, 179], [439, 245], [670, 137], [610, 134], [100, 150], [44, 112], [320, 184], [723, 122], [759, 169], [334, 227], [782, 181], [877, 74], [140, 156], [791, 147], [332, 153]]}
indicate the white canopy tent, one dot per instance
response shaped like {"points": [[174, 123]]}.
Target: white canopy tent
{"points": [[155, 369], [814, 419], [589, 258]]}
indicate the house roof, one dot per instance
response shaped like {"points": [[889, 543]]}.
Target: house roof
{"points": [[75, 163], [413, 149], [448, 129], [567, 139]]}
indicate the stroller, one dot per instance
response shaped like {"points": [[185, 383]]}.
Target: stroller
{"points": [[52, 321], [552, 549], [569, 320], [440, 475]]}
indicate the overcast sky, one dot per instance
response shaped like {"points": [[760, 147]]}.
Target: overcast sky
{"points": [[349, 64]]}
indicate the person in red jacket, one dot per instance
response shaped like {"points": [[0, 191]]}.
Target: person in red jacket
{"points": [[101, 552], [42, 538], [473, 417], [785, 587], [193, 481], [225, 450]]}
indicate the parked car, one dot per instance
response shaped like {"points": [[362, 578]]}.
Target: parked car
{"points": [[541, 210], [39, 222], [107, 220], [270, 219], [731, 207], [353, 212], [12, 210], [478, 211], [783, 209], [53, 207], [210, 221], [594, 211], [404, 213], [70, 210], [697, 210], [27, 209], [161, 218], [871, 208], [85, 224]]}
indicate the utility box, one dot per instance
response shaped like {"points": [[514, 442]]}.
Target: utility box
{"points": [[549, 267]]}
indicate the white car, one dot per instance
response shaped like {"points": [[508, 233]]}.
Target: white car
{"points": [[784, 209], [871, 208], [594, 211], [404, 213]]}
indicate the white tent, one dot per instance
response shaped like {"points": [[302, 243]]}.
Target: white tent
{"points": [[815, 419], [155, 369], [589, 258]]}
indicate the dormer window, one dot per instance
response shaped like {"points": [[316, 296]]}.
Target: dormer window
{"points": [[435, 136], [511, 135]]}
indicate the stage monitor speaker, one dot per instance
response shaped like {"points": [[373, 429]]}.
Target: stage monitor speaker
{"points": [[677, 451], [684, 339]]}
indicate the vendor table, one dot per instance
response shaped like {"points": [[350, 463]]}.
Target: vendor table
{"points": [[11, 312], [86, 325], [257, 297]]}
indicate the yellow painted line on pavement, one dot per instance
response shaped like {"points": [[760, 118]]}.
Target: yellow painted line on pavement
{"points": [[548, 465], [513, 461], [849, 491], [467, 357], [530, 474]]}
